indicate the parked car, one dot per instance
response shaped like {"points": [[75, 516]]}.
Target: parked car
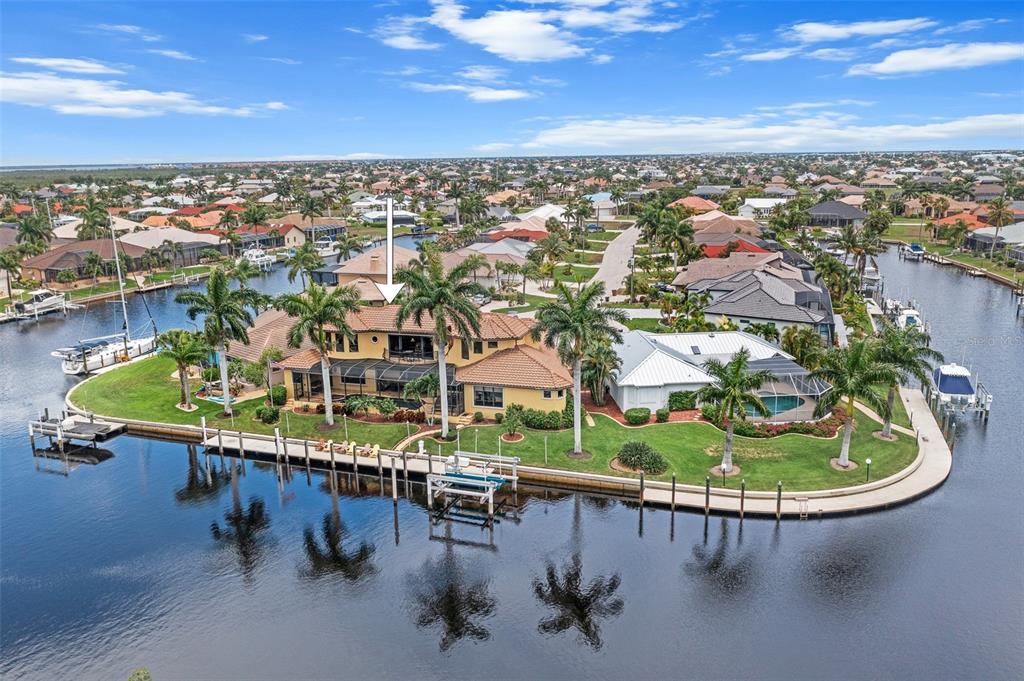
{"points": [[481, 299], [664, 288], [593, 227]]}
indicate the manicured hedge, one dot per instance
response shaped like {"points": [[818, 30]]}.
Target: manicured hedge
{"points": [[637, 416], [641, 456], [661, 416], [682, 400]]}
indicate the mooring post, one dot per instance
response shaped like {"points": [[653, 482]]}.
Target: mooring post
{"points": [[394, 481], [277, 444], [330, 448], [430, 493], [355, 460], [220, 442], [641, 489], [305, 448], [743, 495], [241, 446], [515, 475], [673, 492], [490, 503], [778, 501], [707, 494], [202, 423], [430, 459], [380, 468], [405, 466]]}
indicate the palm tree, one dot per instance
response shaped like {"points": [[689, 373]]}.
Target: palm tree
{"points": [[228, 220], [254, 215], [175, 250], [426, 388], [768, 331], [185, 348], [552, 248], [803, 343], [10, 262], [314, 311], [600, 361], [734, 391], [243, 270], [456, 191], [227, 319], [907, 350], [853, 372], [570, 323], [347, 243], [999, 215], [675, 235], [302, 262], [447, 298], [34, 229], [956, 233], [95, 220], [310, 208]]}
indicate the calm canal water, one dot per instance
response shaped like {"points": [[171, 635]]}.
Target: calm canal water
{"points": [[161, 558]]}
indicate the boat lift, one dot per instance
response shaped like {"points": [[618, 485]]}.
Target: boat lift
{"points": [[471, 475]]}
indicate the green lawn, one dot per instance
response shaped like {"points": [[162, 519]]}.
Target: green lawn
{"points": [[645, 324], [899, 412], [532, 303], [800, 462], [561, 274], [145, 390], [99, 289], [164, 276], [604, 235], [596, 245], [584, 258], [910, 233]]}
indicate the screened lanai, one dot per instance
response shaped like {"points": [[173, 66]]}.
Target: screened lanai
{"points": [[792, 396]]}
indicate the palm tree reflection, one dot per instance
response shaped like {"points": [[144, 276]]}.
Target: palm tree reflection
{"points": [[333, 558], [728, 574], [577, 606], [200, 485], [445, 595], [244, 529]]}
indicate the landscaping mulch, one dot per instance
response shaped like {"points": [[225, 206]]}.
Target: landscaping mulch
{"points": [[582, 456], [716, 471], [834, 462], [616, 465]]}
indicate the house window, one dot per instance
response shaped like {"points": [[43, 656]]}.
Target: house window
{"points": [[465, 349], [547, 394], [374, 340], [353, 343], [487, 396], [492, 344], [561, 393], [478, 347]]}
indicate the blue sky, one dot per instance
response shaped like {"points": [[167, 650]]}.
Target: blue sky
{"points": [[133, 82]]}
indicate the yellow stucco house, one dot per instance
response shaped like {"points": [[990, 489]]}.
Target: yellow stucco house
{"points": [[503, 366]]}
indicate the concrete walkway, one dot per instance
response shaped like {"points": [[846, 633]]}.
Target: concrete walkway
{"points": [[615, 265]]}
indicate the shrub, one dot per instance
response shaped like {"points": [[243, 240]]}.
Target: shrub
{"points": [[513, 422], [710, 412], [277, 395], [682, 400], [211, 374], [268, 414], [499, 417], [567, 414], [641, 456], [385, 406], [478, 417], [410, 415], [553, 420], [661, 416], [637, 416], [532, 418]]}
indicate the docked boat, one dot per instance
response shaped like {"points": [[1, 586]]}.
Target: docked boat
{"points": [[40, 301], [913, 251], [96, 353], [324, 246], [909, 318], [954, 385], [258, 257]]}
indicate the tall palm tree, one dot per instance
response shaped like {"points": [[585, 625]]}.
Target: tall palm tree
{"points": [[303, 262], [243, 270], [347, 243], [34, 229], [804, 344], [956, 233], [999, 215], [314, 311], [552, 248], [853, 372], [571, 322], [226, 319], [10, 262], [675, 235], [310, 208], [447, 298], [95, 220], [254, 214], [174, 250], [456, 191], [185, 348], [734, 390], [600, 361], [907, 350]]}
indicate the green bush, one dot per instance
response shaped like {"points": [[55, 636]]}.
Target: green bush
{"points": [[661, 416], [478, 417], [637, 416], [567, 414], [385, 406], [682, 400], [710, 412], [268, 414], [641, 456], [211, 374], [499, 417], [67, 277], [277, 395]]}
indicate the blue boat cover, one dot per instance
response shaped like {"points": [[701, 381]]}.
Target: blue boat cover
{"points": [[953, 385]]}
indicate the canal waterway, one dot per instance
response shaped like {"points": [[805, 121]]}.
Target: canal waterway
{"points": [[161, 558]]}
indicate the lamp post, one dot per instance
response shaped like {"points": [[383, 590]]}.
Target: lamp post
{"points": [[867, 477]]}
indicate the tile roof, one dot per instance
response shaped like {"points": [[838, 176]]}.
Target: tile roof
{"points": [[523, 366], [269, 330], [695, 203], [71, 255], [302, 360], [716, 268], [493, 326]]}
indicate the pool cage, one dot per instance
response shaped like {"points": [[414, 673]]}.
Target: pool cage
{"points": [[792, 396]]}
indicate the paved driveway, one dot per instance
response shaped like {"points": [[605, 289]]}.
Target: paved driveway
{"points": [[615, 265]]}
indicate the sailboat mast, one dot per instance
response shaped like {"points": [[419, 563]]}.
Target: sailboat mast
{"points": [[120, 281]]}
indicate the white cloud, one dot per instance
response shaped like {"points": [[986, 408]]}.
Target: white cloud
{"points": [[770, 55], [833, 54], [363, 155], [804, 106], [352, 29], [83, 96], [283, 60], [721, 71], [174, 54], [254, 37], [131, 30], [68, 65], [814, 31], [493, 146], [474, 93], [483, 74], [275, 106], [602, 59], [403, 33], [952, 56], [552, 82], [628, 17], [969, 25], [684, 134]]}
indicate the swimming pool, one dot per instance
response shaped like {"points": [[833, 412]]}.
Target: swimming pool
{"points": [[777, 404]]}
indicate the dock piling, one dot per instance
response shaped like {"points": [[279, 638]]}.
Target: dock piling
{"points": [[778, 501], [707, 494], [405, 467], [642, 486], [220, 442], [330, 448], [305, 448], [743, 495], [394, 482], [673, 492]]}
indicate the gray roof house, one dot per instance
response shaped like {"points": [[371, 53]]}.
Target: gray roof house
{"points": [[709, 191], [836, 214]]}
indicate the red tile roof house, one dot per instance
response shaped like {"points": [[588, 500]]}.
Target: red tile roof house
{"points": [[973, 221], [71, 256]]}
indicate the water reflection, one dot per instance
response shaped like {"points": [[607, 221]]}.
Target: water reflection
{"points": [[244, 530], [577, 606], [445, 595], [333, 558], [727, 573], [203, 483]]}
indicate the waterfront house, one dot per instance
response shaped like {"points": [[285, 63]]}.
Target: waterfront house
{"points": [[716, 268], [70, 256], [503, 366], [835, 214], [368, 266], [654, 365], [1009, 237]]}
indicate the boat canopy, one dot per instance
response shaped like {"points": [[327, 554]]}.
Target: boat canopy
{"points": [[90, 344], [953, 379]]}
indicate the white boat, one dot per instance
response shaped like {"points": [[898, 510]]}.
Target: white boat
{"points": [[40, 302], [909, 318], [96, 353], [258, 257], [324, 246], [954, 385], [913, 251]]}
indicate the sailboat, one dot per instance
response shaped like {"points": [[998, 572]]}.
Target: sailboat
{"points": [[91, 354]]}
